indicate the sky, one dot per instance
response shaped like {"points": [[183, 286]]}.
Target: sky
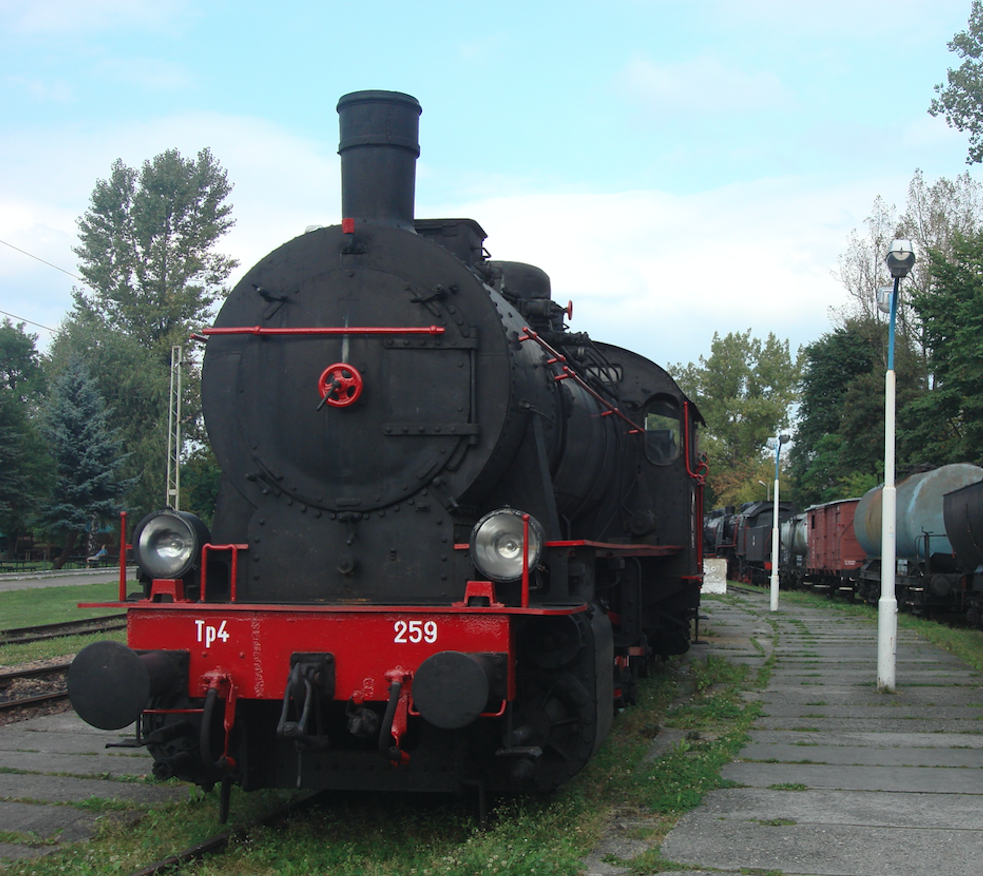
{"points": [[679, 169]]}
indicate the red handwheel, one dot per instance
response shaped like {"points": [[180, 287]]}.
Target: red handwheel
{"points": [[339, 385]]}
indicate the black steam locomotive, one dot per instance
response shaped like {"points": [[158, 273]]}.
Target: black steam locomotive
{"points": [[450, 532]]}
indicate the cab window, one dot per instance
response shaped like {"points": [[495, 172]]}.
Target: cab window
{"points": [[662, 430]]}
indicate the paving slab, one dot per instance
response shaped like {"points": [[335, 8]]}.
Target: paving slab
{"points": [[870, 755], [880, 711], [865, 694], [67, 789], [825, 850], [838, 777], [849, 808], [51, 825], [883, 739], [894, 783], [49, 765]]}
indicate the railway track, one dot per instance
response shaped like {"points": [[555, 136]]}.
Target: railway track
{"points": [[24, 635], [33, 687], [219, 843]]}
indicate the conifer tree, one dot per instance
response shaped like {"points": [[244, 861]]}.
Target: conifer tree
{"points": [[87, 457]]}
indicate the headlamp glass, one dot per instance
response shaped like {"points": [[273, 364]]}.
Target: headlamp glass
{"points": [[167, 543], [496, 544]]}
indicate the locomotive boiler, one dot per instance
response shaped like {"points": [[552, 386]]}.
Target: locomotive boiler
{"points": [[450, 532]]}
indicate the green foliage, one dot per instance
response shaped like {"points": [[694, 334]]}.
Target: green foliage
{"points": [[834, 456], [147, 251], [961, 100], [26, 467], [200, 479], [146, 246], [838, 451], [86, 452], [744, 390], [946, 424], [136, 387], [20, 366]]}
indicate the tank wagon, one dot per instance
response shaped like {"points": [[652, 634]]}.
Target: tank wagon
{"points": [[836, 546], [962, 512], [450, 532], [929, 574]]}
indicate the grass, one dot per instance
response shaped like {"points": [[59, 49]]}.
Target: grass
{"points": [[51, 605], [48, 605], [390, 835]]}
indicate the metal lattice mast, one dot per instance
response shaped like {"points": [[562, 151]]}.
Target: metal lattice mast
{"points": [[173, 498]]}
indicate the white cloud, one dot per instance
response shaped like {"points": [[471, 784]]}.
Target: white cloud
{"points": [[71, 17], [896, 22], [701, 84], [660, 273], [40, 89], [648, 270], [151, 74], [283, 182]]}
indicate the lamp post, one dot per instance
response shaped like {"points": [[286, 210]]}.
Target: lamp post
{"points": [[767, 490], [777, 442], [900, 259]]}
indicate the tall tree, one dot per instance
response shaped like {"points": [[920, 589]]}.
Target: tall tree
{"points": [[961, 100], [87, 456], [25, 464], [830, 365], [946, 424], [861, 267], [20, 366], [745, 390], [148, 252], [147, 247]]}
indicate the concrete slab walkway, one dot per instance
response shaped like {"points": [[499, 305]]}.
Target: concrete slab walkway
{"points": [[56, 776], [839, 779]]}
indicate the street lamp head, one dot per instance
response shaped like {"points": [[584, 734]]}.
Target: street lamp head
{"points": [[784, 439], [900, 258]]}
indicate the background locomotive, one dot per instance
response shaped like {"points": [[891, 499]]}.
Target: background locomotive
{"points": [[450, 533], [743, 538]]}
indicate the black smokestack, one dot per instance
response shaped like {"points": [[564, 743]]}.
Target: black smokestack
{"points": [[379, 146]]}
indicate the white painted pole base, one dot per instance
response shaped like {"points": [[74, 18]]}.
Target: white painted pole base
{"points": [[887, 643], [887, 606]]}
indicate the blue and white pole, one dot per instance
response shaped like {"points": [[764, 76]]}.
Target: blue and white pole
{"points": [[900, 259], [779, 441]]}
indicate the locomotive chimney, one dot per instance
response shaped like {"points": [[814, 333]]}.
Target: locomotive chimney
{"points": [[379, 147]]}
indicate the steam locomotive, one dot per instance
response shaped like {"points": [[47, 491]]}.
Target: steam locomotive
{"points": [[450, 532]]}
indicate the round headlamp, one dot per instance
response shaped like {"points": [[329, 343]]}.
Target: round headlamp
{"points": [[167, 544], [496, 544]]}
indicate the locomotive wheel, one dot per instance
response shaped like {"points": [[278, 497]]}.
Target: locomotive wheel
{"points": [[554, 713], [552, 642]]}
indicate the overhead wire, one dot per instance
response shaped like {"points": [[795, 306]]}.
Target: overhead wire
{"points": [[47, 328], [50, 265]]}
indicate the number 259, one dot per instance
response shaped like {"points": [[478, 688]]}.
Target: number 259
{"points": [[414, 632]]}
